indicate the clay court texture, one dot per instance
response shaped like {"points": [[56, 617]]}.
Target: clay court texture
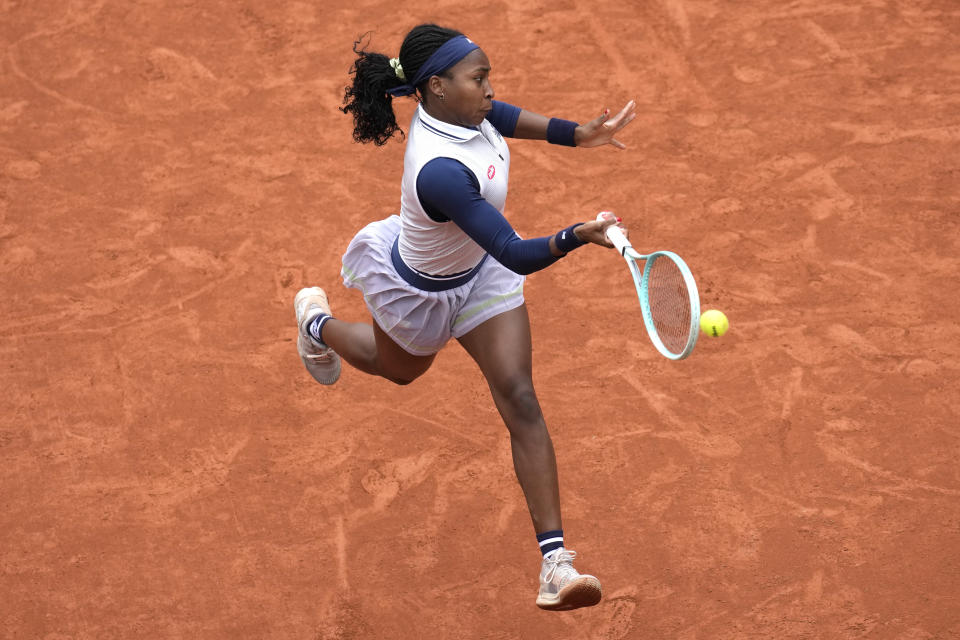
{"points": [[171, 173]]}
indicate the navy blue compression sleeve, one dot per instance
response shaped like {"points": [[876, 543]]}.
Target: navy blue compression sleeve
{"points": [[504, 118], [448, 190]]}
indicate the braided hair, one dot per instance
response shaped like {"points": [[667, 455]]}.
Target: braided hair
{"points": [[367, 98]]}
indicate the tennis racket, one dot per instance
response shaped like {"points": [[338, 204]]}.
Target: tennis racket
{"points": [[668, 295]]}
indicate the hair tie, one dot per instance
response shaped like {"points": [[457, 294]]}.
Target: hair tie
{"points": [[397, 69]]}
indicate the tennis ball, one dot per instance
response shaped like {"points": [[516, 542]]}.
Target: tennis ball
{"points": [[714, 323]]}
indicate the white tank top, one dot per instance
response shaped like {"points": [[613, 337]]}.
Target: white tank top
{"points": [[442, 248]]}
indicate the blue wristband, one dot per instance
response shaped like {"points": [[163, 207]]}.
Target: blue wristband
{"points": [[566, 240], [561, 132]]}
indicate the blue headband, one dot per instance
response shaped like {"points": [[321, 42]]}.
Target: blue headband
{"points": [[450, 53]]}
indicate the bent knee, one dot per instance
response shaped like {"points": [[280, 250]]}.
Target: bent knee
{"points": [[403, 375], [401, 378]]}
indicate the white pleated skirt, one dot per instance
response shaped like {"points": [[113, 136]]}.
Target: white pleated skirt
{"points": [[420, 321]]}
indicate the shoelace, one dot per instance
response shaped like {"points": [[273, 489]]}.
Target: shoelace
{"points": [[561, 563], [320, 357]]}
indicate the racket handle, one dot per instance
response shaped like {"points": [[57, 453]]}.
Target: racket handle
{"points": [[615, 234]]}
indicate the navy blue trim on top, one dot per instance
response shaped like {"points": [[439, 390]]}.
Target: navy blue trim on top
{"points": [[427, 282], [444, 134], [504, 118]]}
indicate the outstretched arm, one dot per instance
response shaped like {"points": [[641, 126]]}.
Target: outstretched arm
{"points": [[595, 133], [448, 191]]}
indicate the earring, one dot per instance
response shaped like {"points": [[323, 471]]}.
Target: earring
{"points": [[442, 96]]}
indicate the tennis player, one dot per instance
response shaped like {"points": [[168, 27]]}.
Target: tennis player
{"points": [[450, 264]]}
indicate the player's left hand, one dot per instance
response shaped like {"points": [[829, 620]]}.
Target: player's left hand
{"points": [[600, 131]]}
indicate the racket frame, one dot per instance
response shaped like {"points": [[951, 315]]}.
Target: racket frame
{"points": [[641, 279]]}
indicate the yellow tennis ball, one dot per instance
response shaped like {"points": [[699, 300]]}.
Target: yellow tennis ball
{"points": [[714, 323]]}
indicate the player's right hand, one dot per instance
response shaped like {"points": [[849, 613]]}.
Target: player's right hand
{"points": [[595, 230]]}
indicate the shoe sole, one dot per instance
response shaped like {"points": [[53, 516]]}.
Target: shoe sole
{"points": [[583, 592], [326, 377]]}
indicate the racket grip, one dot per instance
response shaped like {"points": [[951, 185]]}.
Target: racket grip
{"points": [[615, 234]]}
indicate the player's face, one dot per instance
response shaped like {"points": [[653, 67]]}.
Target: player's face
{"points": [[468, 93]]}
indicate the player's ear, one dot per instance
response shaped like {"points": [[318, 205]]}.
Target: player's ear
{"points": [[435, 86]]}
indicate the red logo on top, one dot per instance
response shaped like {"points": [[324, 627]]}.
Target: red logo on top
{"points": [[491, 171]]}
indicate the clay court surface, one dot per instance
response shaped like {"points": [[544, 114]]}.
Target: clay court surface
{"points": [[171, 173]]}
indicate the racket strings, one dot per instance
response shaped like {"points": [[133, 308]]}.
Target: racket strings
{"points": [[669, 301]]}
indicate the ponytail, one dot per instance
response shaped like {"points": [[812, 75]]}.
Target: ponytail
{"points": [[367, 99]]}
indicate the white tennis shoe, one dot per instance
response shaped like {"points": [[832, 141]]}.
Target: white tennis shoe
{"points": [[320, 360], [562, 587]]}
